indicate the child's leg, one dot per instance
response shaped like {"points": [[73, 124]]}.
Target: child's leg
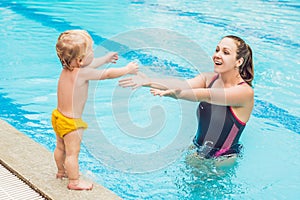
{"points": [[59, 156], [72, 144]]}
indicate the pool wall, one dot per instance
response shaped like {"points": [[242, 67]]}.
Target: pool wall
{"points": [[35, 164]]}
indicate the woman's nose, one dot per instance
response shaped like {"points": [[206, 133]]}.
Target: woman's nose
{"points": [[216, 55]]}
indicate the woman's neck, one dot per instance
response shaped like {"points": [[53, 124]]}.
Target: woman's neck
{"points": [[231, 78]]}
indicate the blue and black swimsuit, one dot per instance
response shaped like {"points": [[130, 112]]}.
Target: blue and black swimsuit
{"points": [[218, 128]]}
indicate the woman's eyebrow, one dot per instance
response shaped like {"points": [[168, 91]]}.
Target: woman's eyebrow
{"points": [[227, 48]]}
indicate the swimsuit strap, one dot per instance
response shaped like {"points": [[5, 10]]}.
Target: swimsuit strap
{"points": [[213, 80], [216, 77]]}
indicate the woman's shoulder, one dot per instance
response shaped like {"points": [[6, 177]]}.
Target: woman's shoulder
{"points": [[209, 76], [202, 80]]}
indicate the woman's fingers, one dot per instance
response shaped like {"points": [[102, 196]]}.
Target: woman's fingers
{"points": [[126, 82], [156, 92]]}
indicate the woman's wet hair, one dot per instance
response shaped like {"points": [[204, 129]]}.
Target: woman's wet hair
{"points": [[246, 69]]}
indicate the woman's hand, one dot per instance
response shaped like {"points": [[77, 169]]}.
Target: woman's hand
{"points": [[173, 93], [134, 81]]}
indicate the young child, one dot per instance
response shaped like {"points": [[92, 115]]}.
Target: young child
{"points": [[75, 51]]}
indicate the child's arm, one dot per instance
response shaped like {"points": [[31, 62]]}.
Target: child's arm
{"points": [[110, 73], [110, 57]]}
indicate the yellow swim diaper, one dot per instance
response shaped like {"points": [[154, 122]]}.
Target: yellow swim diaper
{"points": [[63, 125]]}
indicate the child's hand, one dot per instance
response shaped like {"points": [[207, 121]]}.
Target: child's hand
{"points": [[111, 57], [132, 67]]}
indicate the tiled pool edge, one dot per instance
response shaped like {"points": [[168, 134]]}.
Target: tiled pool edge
{"points": [[36, 165]]}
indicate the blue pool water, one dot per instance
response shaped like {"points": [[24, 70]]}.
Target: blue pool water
{"points": [[269, 167]]}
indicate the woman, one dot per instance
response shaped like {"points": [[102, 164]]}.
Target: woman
{"points": [[226, 97]]}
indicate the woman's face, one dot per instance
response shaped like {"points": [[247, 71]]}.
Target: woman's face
{"points": [[224, 57]]}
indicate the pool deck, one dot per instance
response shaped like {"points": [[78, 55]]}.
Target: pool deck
{"points": [[35, 165]]}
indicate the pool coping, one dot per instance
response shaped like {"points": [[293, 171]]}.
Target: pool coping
{"points": [[35, 165]]}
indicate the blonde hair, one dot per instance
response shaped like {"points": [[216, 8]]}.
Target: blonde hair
{"points": [[72, 44]]}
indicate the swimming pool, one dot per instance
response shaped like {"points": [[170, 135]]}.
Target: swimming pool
{"points": [[269, 167]]}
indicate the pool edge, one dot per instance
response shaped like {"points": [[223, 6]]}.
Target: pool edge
{"points": [[36, 165]]}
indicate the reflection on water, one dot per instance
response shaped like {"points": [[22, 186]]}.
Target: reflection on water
{"points": [[202, 179], [206, 178]]}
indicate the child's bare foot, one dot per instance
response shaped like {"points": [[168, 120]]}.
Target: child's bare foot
{"points": [[61, 175], [82, 185]]}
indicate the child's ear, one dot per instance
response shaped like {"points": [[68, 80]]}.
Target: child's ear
{"points": [[79, 62]]}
